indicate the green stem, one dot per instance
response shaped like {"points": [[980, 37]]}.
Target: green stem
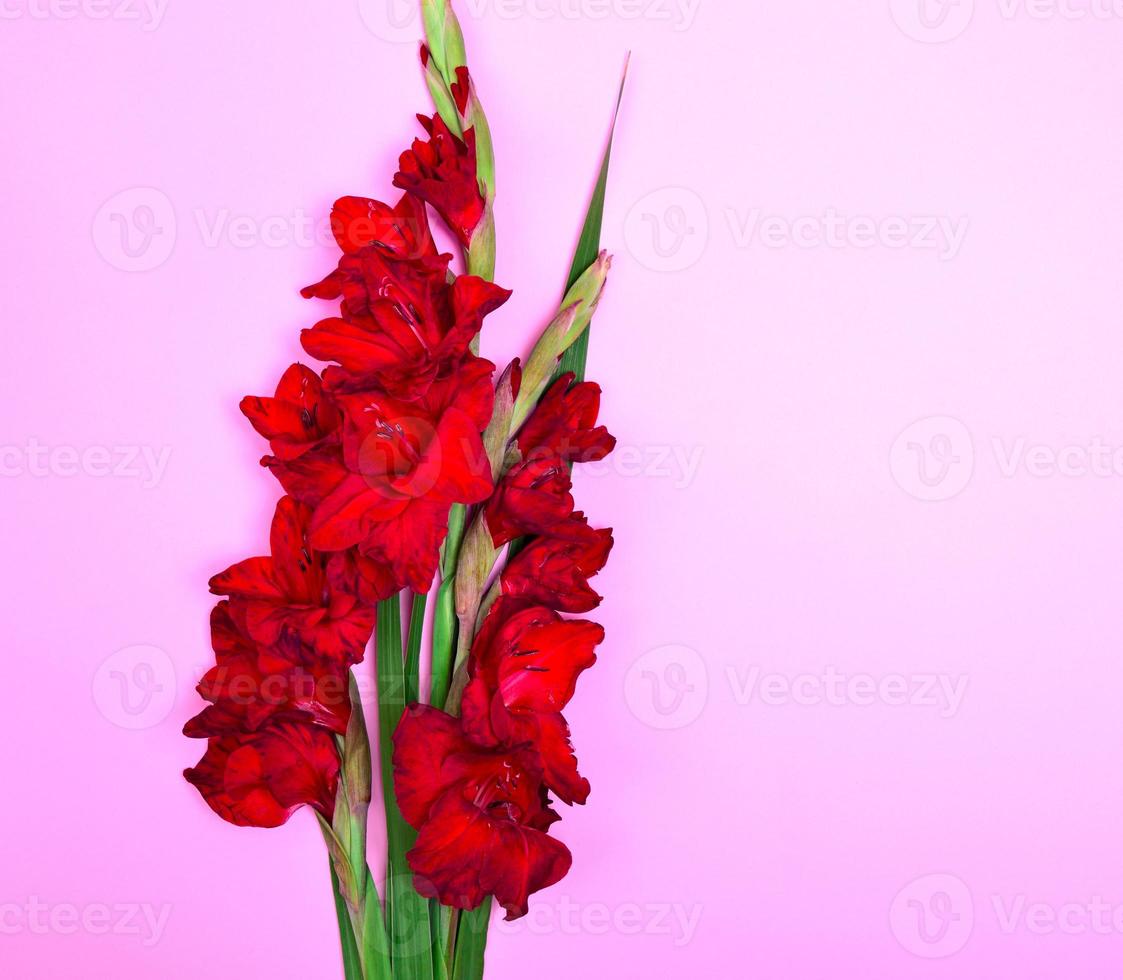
{"points": [[444, 618], [444, 639]]}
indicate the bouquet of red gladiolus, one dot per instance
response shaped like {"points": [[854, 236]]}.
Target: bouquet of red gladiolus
{"points": [[408, 468]]}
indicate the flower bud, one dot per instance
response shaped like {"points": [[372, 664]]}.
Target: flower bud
{"points": [[498, 431], [439, 90], [446, 40], [577, 310]]}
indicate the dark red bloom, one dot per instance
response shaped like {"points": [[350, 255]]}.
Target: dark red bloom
{"points": [[402, 321], [251, 686], [259, 780], [480, 814], [442, 172], [554, 569], [532, 497], [406, 463], [298, 419], [402, 229], [523, 671], [565, 424], [319, 597]]}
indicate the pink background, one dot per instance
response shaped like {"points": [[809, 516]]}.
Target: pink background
{"points": [[792, 827]]}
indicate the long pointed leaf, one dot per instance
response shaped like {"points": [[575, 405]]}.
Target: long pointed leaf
{"points": [[588, 248], [407, 912], [413, 648], [588, 245], [471, 940], [352, 968]]}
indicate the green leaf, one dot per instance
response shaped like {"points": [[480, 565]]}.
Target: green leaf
{"points": [[352, 968], [588, 246], [471, 940], [413, 648], [586, 253], [376, 944], [439, 916], [407, 912]]}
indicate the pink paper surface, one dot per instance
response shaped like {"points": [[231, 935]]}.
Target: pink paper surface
{"points": [[858, 712]]}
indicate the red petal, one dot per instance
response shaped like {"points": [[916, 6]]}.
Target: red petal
{"points": [[462, 855], [423, 741], [259, 780]]}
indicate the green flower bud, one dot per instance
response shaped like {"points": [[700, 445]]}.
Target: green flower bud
{"points": [[576, 313]]}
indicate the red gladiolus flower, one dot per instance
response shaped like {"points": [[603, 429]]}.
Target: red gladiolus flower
{"points": [[554, 570], [402, 322], [259, 780], [442, 172], [406, 463], [298, 419], [523, 671], [321, 598], [532, 497], [480, 814], [565, 424], [251, 686], [303, 427]]}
